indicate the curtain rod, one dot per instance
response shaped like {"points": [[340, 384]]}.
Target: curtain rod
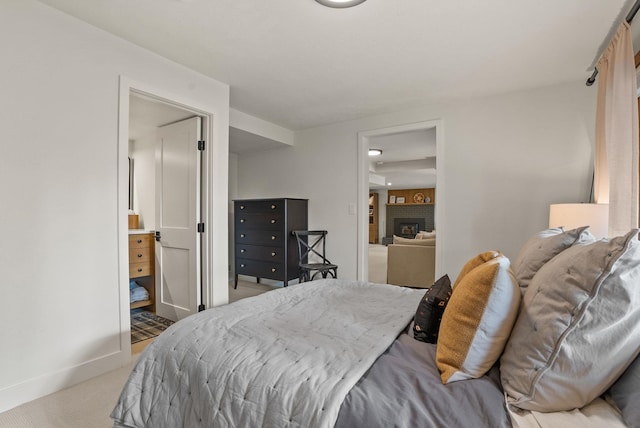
{"points": [[629, 18]]}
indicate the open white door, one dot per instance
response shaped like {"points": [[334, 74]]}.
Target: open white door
{"points": [[178, 172]]}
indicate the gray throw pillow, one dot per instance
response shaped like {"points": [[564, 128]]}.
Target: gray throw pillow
{"points": [[542, 247], [626, 394]]}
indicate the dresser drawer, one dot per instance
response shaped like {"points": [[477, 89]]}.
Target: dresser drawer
{"points": [[270, 221], [140, 240], [255, 252], [139, 255], [137, 270], [260, 237], [276, 206], [260, 269]]}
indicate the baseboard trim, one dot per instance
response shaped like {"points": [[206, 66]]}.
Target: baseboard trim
{"points": [[40, 386]]}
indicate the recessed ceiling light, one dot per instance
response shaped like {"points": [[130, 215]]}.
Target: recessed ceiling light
{"points": [[389, 184], [375, 152], [340, 3]]}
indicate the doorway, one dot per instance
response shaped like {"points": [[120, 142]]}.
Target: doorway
{"points": [[366, 139], [142, 112]]}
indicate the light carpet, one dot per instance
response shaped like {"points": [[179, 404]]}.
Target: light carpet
{"points": [[86, 405], [378, 263]]}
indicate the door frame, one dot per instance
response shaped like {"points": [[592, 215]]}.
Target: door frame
{"points": [[126, 87], [363, 191]]}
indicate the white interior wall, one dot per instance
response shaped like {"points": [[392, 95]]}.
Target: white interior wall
{"points": [[144, 181], [60, 255], [506, 158]]}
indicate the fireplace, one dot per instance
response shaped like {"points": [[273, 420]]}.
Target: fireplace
{"points": [[407, 227]]}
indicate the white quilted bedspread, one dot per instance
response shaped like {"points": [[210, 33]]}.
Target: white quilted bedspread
{"points": [[286, 358]]}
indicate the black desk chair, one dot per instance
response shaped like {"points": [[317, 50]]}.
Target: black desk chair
{"points": [[310, 257]]}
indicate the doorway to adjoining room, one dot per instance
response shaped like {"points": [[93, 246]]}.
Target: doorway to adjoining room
{"points": [[397, 182]]}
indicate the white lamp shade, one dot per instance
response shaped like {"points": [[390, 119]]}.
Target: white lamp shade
{"points": [[570, 216]]}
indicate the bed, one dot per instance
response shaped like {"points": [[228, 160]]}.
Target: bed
{"points": [[339, 353]]}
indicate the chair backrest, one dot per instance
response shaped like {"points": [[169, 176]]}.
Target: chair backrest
{"points": [[311, 243]]}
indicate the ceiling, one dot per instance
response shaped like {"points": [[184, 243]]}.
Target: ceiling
{"points": [[408, 160], [299, 64], [147, 113]]}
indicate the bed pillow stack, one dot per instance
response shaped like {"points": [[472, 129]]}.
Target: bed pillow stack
{"points": [[578, 328], [478, 319]]}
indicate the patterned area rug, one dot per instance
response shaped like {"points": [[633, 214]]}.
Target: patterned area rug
{"points": [[145, 325]]}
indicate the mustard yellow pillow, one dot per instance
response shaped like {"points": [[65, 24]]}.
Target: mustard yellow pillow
{"points": [[478, 319], [473, 263]]}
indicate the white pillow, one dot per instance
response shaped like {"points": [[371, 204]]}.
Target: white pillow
{"points": [[422, 234], [578, 327], [542, 247]]}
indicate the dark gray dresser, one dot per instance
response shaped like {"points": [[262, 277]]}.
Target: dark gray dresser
{"points": [[264, 245]]}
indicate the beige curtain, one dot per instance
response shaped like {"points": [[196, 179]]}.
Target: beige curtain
{"points": [[616, 156]]}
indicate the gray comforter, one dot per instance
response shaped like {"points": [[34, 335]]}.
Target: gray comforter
{"points": [[286, 358], [403, 389]]}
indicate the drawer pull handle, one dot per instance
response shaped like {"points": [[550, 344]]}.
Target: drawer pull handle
{"points": [[273, 221], [273, 237], [241, 220], [243, 250], [241, 207], [273, 269], [139, 269], [273, 254], [273, 207], [242, 265], [242, 235], [139, 255], [139, 241]]}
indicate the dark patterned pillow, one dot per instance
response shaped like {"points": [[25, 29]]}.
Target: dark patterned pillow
{"points": [[430, 310]]}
